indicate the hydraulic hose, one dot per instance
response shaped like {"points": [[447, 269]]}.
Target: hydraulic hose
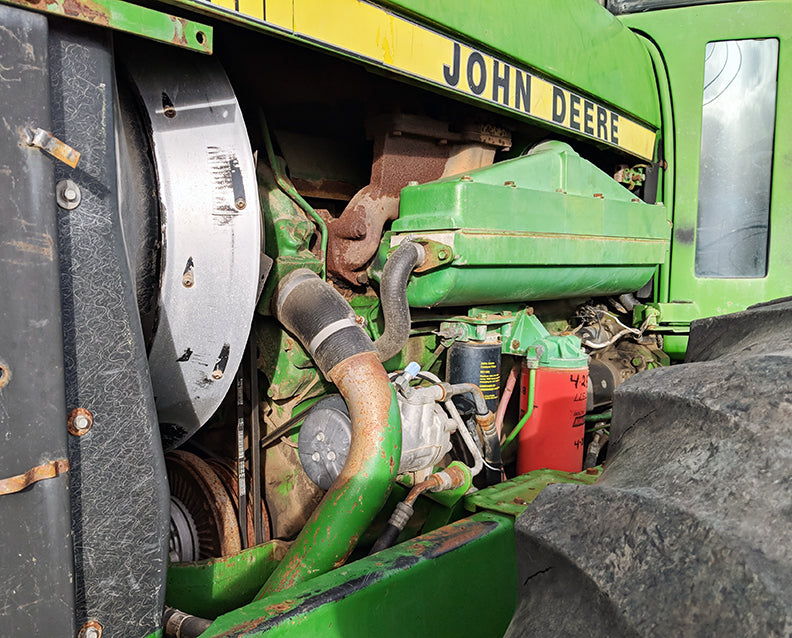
{"points": [[324, 322], [493, 461], [393, 297]]}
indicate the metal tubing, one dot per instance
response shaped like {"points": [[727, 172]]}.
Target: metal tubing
{"points": [[361, 488], [288, 189], [528, 412]]}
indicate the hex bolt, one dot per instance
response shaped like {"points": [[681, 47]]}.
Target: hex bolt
{"points": [[240, 203], [80, 421], [67, 194], [320, 436], [316, 456], [91, 629], [217, 374], [442, 254], [331, 456]]}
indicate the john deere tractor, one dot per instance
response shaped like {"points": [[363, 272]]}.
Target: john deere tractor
{"points": [[395, 318]]}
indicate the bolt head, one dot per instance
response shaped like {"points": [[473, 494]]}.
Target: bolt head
{"points": [[331, 456], [92, 632], [240, 203], [70, 195], [217, 374], [316, 457], [320, 436], [81, 422]]}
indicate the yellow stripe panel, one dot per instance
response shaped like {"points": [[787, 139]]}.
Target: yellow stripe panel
{"points": [[373, 33], [252, 8]]}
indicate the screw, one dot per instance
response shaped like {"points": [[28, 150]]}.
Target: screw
{"points": [[80, 421], [520, 501], [67, 194], [331, 456], [515, 344], [188, 280], [442, 254], [240, 203], [91, 629], [466, 178], [316, 456], [320, 436], [217, 373]]}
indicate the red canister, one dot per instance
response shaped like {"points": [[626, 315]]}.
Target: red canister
{"points": [[553, 435]]}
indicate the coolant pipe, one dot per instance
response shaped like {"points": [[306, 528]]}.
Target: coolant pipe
{"points": [[393, 296], [288, 189], [528, 412], [323, 321]]}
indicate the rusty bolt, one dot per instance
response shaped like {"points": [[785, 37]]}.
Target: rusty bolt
{"points": [[592, 470], [217, 374], [188, 280], [412, 182], [515, 344], [466, 178], [360, 320], [520, 501], [80, 421], [91, 629], [510, 183], [599, 195], [240, 203]]}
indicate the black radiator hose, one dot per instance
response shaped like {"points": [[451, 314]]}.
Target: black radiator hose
{"points": [[177, 624], [320, 318], [393, 297]]}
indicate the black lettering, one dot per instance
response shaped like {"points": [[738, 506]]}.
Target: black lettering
{"points": [[451, 73], [614, 132], [522, 91], [500, 82], [574, 111], [602, 123], [559, 105], [588, 117], [476, 59]]}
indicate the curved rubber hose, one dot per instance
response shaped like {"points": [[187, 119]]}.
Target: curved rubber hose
{"points": [[393, 297], [363, 485]]}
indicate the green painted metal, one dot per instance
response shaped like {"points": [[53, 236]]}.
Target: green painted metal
{"points": [[515, 495], [326, 536], [681, 36], [579, 43], [129, 18], [545, 226], [215, 586], [429, 576]]}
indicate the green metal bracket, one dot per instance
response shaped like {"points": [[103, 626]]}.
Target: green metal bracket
{"points": [[215, 586], [129, 18], [515, 495]]}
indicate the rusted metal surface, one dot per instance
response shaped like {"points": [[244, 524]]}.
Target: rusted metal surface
{"points": [[197, 485], [50, 144], [406, 149], [361, 487], [5, 374], [19, 482], [80, 421], [226, 472], [130, 18]]}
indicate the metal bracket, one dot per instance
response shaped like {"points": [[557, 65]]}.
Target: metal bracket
{"points": [[19, 482]]}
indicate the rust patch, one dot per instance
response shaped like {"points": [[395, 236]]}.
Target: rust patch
{"points": [[447, 539], [19, 482], [5, 374], [41, 246], [86, 10]]}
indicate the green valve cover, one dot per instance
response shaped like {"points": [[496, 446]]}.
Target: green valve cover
{"points": [[548, 225]]}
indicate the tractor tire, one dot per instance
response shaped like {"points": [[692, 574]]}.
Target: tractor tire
{"points": [[688, 531]]}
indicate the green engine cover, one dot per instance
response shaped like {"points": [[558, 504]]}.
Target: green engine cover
{"points": [[548, 225]]}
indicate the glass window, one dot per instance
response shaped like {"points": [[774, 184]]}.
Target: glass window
{"points": [[736, 158]]}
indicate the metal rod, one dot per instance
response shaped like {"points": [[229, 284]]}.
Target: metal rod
{"points": [[528, 411], [255, 448], [241, 484]]}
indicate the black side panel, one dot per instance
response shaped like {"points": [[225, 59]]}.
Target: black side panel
{"points": [[688, 532], [118, 482], [36, 596]]}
